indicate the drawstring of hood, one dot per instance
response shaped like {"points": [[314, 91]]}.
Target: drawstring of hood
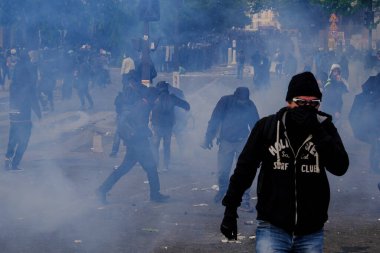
{"points": [[278, 141]]}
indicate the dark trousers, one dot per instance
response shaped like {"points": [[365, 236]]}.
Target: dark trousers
{"points": [[374, 155], [83, 93], [19, 135], [165, 134], [116, 142], [67, 87], [138, 151], [227, 153], [240, 69]]}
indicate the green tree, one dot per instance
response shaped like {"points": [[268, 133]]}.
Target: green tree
{"points": [[197, 17]]}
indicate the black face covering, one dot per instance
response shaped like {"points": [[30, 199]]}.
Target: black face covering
{"points": [[300, 122], [303, 115]]}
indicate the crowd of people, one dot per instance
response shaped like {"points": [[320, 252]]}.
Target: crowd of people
{"points": [[293, 149]]}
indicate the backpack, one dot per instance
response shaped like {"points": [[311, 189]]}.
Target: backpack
{"points": [[125, 125], [163, 104]]}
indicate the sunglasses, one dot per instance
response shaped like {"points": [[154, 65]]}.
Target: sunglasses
{"points": [[303, 102]]}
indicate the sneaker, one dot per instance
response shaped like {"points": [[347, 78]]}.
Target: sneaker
{"points": [[15, 169], [101, 196], [218, 197], [112, 154], [159, 198], [246, 207], [7, 164]]}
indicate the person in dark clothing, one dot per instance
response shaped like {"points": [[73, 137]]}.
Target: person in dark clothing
{"points": [[120, 100], [68, 69], [82, 81], [364, 119], [134, 131], [163, 119], [231, 121], [333, 92], [22, 100], [181, 120], [294, 149], [3, 64], [344, 65], [240, 60], [48, 78]]}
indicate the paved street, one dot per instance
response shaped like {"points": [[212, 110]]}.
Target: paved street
{"points": [[51, 206]]}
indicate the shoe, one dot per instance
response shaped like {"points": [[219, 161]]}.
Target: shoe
{"points": [[218, 197], [378, 186], [246, 207], [101, 196], [113, 154], [159, 198], [7, 164], [15, 169]]}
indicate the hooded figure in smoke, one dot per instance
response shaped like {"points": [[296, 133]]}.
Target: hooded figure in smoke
{"points": [[334, 89], [294, 149], [231, 121], [22, 100], [364, 118], [133, 128], [163, 119]]}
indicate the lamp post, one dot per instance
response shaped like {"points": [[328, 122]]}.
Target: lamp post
{"points": [[369, 22], [149, 10]]}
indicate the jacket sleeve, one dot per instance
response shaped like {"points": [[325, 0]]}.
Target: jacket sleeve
{"points": [[35, 105], [181, 103], [216, 119], [254, 116], [330, 148], [246, 167]]}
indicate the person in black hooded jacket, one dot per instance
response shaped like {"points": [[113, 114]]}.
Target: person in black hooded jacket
{"points": [[294, 149], [231, 121], [22, 101]]}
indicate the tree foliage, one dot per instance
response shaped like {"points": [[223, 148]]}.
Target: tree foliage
{"points": [[113, 23], [194, 18]]}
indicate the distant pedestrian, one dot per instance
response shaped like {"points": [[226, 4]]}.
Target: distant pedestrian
{"points": [[364, 118], [22, 100], [127, 65], [69, 61], [11, 61], [333, 92], [3, 64], [182, 118], [82, 80], [163, 119], [231, 121], [240, 60], [48, 77]]}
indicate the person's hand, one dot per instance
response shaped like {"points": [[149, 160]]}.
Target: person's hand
{"points": [[229, 227], [207, 144]]}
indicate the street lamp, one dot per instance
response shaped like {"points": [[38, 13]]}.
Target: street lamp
{"points": [[149, 10]]}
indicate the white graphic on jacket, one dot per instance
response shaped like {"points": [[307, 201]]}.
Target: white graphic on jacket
{"points": [[277, 149]]}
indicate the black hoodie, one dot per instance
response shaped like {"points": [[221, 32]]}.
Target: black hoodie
{"points": [[293, 189]]}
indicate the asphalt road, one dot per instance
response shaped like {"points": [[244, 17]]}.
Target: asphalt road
{"points": [[51, 206]]}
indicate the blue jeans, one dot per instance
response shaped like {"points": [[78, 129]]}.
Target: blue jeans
{"points": [[271, 239]]}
